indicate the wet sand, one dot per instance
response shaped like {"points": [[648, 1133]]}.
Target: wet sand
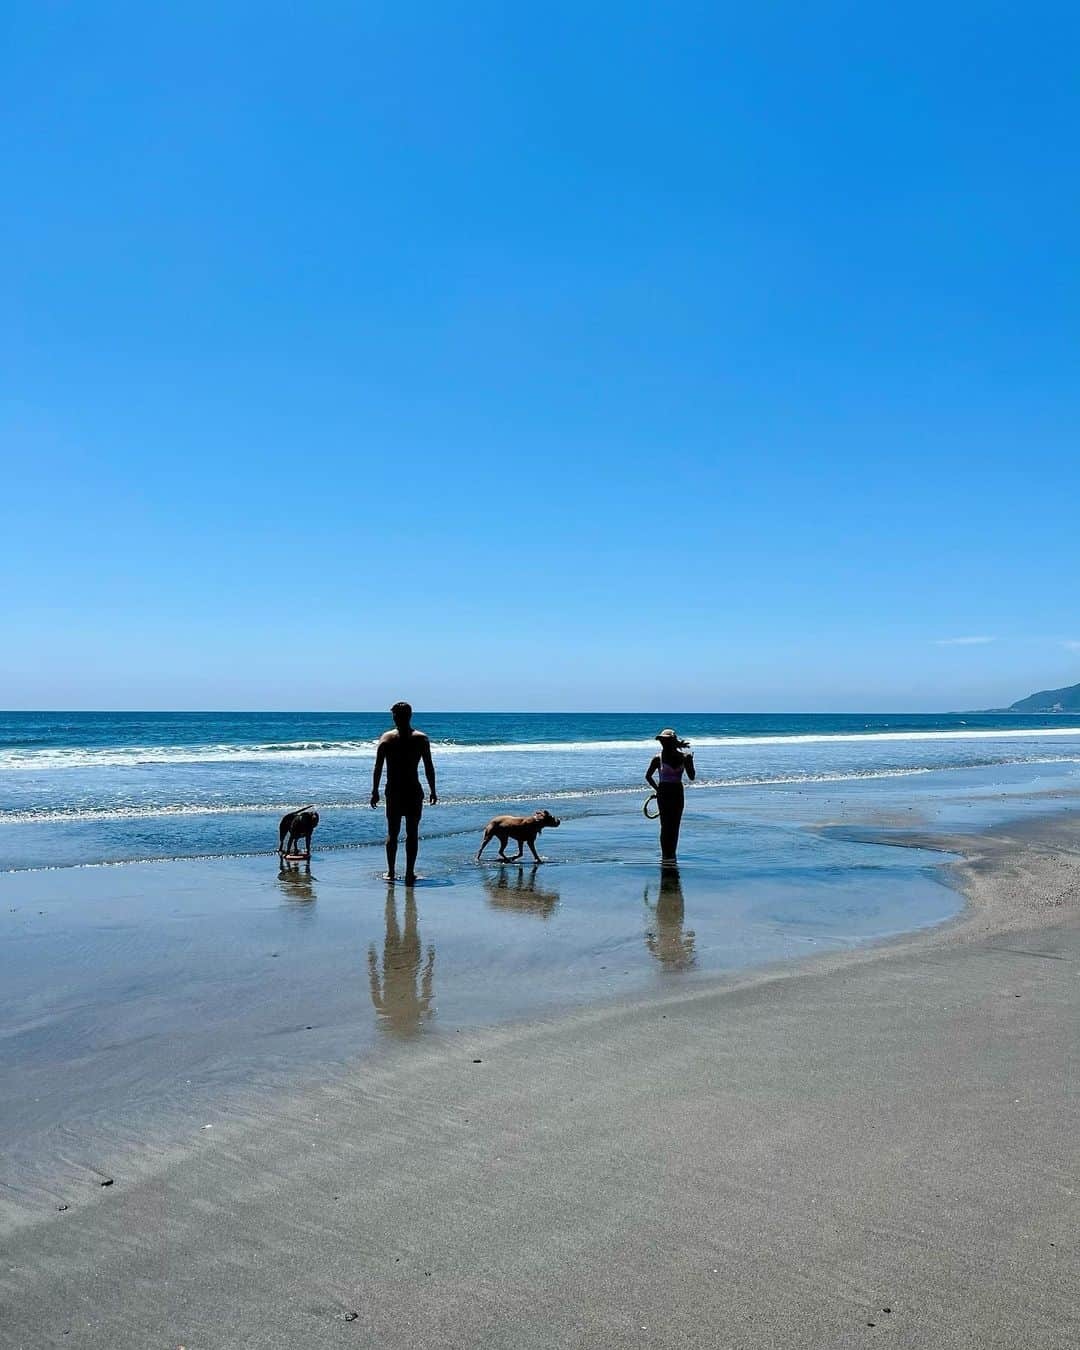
{"points": [[141, 1002], [879, 1144]]}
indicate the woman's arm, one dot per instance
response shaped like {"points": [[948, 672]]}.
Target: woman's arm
{"points": [[654, 764], [688, 765]]}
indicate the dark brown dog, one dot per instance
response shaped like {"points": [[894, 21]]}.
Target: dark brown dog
{"points": [[522, 829], [297, 825]]}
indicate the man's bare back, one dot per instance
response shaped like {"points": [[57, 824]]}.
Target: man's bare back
{"points": [[401, 753]]}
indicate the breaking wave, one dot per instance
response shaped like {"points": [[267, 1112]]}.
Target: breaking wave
{"points": [[82, 757]]}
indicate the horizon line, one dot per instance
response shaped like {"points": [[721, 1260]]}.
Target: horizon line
{"points": [[524, 712]]}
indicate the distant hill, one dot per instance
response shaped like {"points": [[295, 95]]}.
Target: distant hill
{"points": [[1050, 701]]}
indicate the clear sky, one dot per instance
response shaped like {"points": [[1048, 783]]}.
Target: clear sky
{"points": [[564, 355]]}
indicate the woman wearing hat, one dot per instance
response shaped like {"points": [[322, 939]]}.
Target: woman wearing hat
{"points": [[670, 764]]}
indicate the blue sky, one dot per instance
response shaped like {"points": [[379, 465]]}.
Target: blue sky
{"points": [[540, 356]]}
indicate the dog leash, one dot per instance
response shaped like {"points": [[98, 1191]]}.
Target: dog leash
{"points": [[649, 801]]}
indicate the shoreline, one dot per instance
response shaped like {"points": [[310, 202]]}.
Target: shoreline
{"points": [[145, 1002], [993, 868], [458, 1181], [269, 813]]}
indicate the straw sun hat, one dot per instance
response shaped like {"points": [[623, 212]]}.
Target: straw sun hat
{"points": [[668, 734]]}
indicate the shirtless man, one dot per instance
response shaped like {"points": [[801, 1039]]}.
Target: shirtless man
{"points": [[401, 751]]}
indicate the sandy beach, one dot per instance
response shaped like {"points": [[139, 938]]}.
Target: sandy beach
{"points": [[873, 1144], [638, 436]]}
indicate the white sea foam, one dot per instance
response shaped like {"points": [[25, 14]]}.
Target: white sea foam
{"points": [[75, 815], [80, 757]]}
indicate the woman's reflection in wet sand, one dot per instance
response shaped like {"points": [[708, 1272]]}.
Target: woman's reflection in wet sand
{"points": [[667, 941], [516, 888], [403, 995], [295, 880]]}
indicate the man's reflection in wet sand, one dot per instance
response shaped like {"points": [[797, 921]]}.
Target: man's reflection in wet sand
{"points": [[403, 995], [516, 888], [295, 880], [667, 941]]}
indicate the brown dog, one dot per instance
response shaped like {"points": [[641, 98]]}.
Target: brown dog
{"points": [[522, 829]]}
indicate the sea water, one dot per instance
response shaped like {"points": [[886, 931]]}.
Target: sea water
{"points": [[118, 787]]}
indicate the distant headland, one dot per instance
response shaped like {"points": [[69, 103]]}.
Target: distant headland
{"points": [[1048, 701]]}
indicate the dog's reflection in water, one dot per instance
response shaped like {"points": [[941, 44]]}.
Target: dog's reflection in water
{"points": [[295, 880], [665, 937], [516, 888], [402, 993]]}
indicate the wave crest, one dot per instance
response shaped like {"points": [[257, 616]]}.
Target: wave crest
{"points": [[80, 757]]}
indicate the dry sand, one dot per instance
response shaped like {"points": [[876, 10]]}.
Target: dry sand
{"points": [[879, 1147]]}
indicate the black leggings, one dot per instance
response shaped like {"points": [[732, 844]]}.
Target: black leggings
{"points": [[669, 801]]}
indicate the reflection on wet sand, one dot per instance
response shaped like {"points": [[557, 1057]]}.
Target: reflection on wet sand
{"points": [[403, 995], [295, 880], [516, 888], [667, 941]]}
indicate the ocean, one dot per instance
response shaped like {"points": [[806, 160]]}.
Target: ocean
{"points": [[82, 788]]}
